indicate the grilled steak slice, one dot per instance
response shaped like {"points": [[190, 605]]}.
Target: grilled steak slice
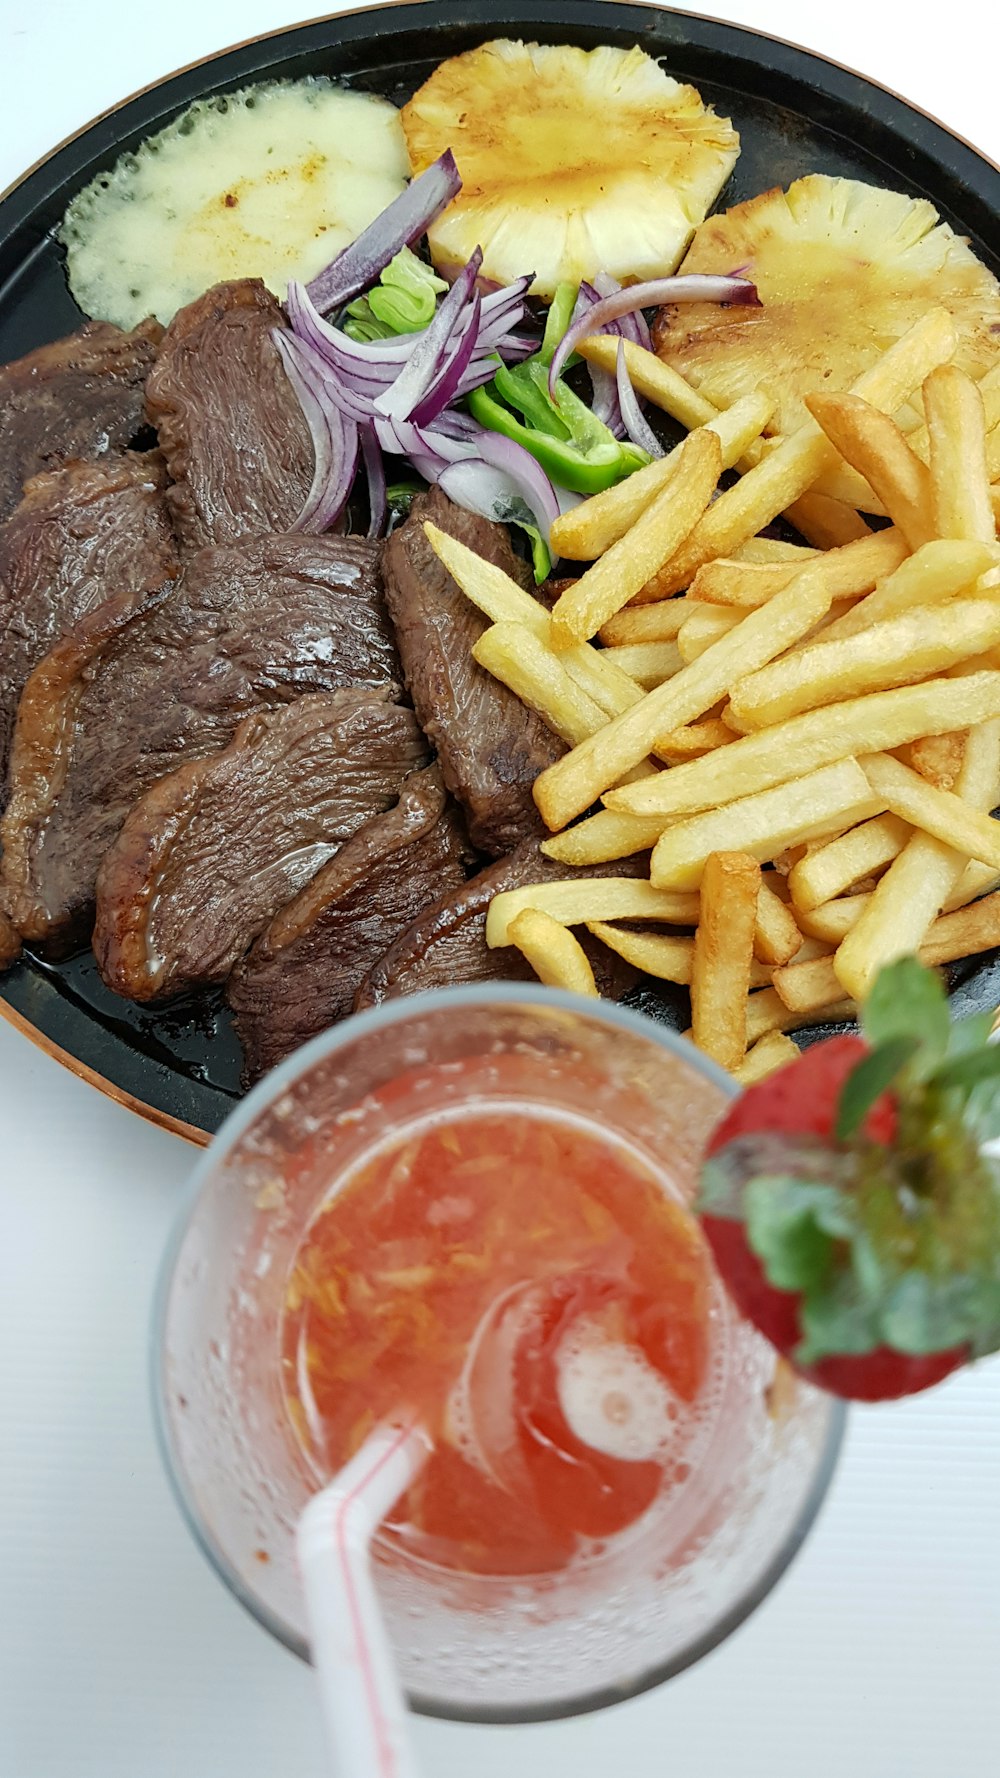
{"points": [[79, 397], [230, 427], [491, 747], [208, 856], [302, 973], [82, 534], [447, 943], [10, 943], [124, 699]]}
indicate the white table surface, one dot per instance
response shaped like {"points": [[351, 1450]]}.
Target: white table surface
{"points": [[121, 1656]]}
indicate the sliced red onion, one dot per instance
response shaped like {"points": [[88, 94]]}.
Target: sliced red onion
{"points": [[428, 355], [631, 327], [449, 378], [455, 424], [478, 373], [506, 312], [334, 438], [695, 287], [402, 222], [319, 370], [507, 295], [514, 346], [501, 473], [401, 438], [375, 471], [636, 425], [377, 357], [527, 475], [604, 397]]}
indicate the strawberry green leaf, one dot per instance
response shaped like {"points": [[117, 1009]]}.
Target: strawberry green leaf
{"points": [[837, 1321], [970, 1034], [868, 1081], [792, 1225], [927, 1314], [982, 1112], [968, 1070], [908, 1000]]}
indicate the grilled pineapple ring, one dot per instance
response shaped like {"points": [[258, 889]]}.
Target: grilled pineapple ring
{"points": [[573, 161], [843, 269]]}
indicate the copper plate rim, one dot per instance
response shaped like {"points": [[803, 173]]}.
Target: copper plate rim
{"points": [[163, 1120], [83, 1071]]}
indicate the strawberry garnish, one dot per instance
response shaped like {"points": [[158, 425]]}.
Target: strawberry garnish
{"points": [[853, 1205]]}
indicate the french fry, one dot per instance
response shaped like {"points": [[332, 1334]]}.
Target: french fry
{"points": [[989, 390], [661, 954], [589, 898], [737, 427], [831, 869], [728, 581], [835, 919], [776, 936], [938, 758], [871, 442], [515, 656], [594, 525], [918, 883], [623, 569], [604, 682], [791, 469], [696, 738], [811, 948], [557, 958], [764, 823], [963, 934], [938, 812], [645, 623], [769, 1053], [604, 837], [503, 601], [771, 550], [654, 379], [898, 652], [648, 663], [976, 880], [821, 632], [832, 920], [808, 987], [656, 953], [934, 573], [705, 625], [877, 723], [766, 1011], [824, 522], [956, 430], [842, 483], [569, 786], [723, 956]]}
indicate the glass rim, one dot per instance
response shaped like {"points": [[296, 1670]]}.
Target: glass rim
{"points": [[244, 1114]]}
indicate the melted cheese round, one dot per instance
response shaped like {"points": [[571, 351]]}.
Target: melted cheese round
{"points": [[270, 182]]}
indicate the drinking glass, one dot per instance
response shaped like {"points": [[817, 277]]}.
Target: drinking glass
{"points": [[474, 1648]]}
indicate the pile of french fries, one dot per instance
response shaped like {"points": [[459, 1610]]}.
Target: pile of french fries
{"points": [[805, 739]]}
